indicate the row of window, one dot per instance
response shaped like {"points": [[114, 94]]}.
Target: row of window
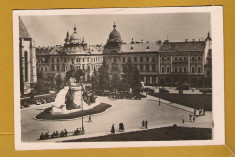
{"points": [[180, 58], [135, 59], [56, 67], [73, 60], [180, 69]]}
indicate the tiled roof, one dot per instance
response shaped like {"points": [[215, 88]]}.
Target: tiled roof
{"points": [[58, 50], [44, 50], [23, 32], [140, 47], [183, 46]]}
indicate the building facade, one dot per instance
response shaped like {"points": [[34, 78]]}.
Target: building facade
{"points": [[74, 53], [166, 64], [184, 62], [143, 55], [27, 60]]}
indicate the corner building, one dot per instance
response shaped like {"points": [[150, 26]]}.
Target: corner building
{"points": [[143, 55], [74, 53]]}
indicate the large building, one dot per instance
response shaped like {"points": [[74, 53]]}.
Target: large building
{"points": [[75, 52], [184, 62], [143, 55], [27, 60], [164, 63], [161, 63]]}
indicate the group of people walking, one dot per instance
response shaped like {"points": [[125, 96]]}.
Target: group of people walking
{"points": [[145, 124], [196, 113], [55, 134], [121, 128]]}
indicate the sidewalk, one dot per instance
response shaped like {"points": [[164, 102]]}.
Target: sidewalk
{"points": [[51, 92]]}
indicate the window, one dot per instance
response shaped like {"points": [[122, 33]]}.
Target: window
{"points": [[72, 60], [162, 59], [52, 60], [193, 69], [141, 68], [185, 58], [123, 59], [135, 59], [163, 69], [65, 60], [185, 69], [83, 66], [168, 58], [199, 58], [129, 59], [114, 59], [46, 69], [147, 67], [193, 58], [58, 60], [176, 69], [83, 60], [52, 68], [168, 69], [153, 59], [58, 68], [147, 59], [141, 59], [199, 69], [153, 67], [176, 59]]}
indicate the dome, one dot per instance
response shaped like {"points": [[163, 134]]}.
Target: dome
{"points": [[75, 37], [114, 35]]}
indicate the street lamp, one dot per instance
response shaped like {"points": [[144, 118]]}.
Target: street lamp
{"points": [[82, 102], [159, 100]]}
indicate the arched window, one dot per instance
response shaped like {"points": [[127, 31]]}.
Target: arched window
{"points": [[199, 58], [168, 58], [185, 58], [193, 58], [193, 70], [176, 69], [176, 59], [163, 69]]}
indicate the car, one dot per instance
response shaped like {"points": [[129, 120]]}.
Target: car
{"points": [[205, 90], [183, 87], [163, 91]]}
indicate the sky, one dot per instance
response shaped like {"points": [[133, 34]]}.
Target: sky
{"points": [[51, 30]]}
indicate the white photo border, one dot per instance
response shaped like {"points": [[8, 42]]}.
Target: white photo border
{"points": [[217, 77]]}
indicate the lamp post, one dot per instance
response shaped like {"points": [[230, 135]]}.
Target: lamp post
{"points": [[159, 100], [82, 103]]}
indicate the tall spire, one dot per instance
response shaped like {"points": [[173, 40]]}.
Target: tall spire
{"points": [[114, 25], [67, 35]]}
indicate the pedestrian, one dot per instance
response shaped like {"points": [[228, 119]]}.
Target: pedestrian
{"points": [[146, 124], [194, 119], [113, 129], [90, 118], [143, 124], [190, 117], [183, 120]]}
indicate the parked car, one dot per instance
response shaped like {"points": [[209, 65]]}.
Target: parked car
{"points": [[183, 87], [163, 91], [205, 90]]}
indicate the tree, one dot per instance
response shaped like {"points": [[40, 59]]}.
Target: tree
{"points": [[41, 87], [78, 74], [103, 77], [115, 82], [59, 82], [131, 78], [94, 80]]}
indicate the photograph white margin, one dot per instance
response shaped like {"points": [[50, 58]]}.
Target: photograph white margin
{"points": [[217, 78]]}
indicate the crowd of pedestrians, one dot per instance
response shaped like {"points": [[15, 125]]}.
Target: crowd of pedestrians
{"points": [[196, 113], [145, 124], [63, 133]]}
